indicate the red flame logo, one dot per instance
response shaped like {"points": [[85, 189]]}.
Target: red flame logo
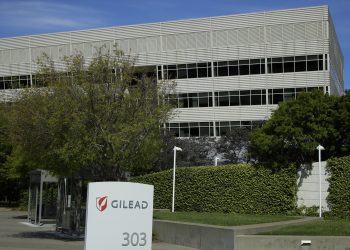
{"points": [[101, 203]]}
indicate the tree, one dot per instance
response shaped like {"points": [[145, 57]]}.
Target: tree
{"points": [[195, 151], [234, 145], [10, 182], [93, 119], [296, 128]]}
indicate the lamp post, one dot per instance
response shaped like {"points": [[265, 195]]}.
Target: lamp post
{"points": [[216, 160], [319, 148], [173, 203]]}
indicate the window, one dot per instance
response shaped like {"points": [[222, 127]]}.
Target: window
{"points": [[222, 69], [255, 66], [277, 65], [233, 68], [191, 129], [181, 71], [244, 67], [234, 98], [288, 63], [300, 63], [245, 97]]}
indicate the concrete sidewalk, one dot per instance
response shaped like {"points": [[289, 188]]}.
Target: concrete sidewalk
{"points": [[14, 235]]}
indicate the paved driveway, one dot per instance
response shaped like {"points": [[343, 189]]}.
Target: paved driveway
{"points": [[14, 235]]}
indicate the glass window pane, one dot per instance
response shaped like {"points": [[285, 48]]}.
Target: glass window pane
{"points": [[256, 91], [192, 73], [233, 70], [288, 67], [256, 99], [182, 73], [184, 132], [191, 65], [223, 63], [175, 132], [244, 69], [300, 66], [289, 96], [300, 58], [235, 123], [255, 69], [254, 61], [234, 100], [243, 62], [193, 102], [289, 90], [223, 93], [277, 68], [223, 71], [277, 59], [245, 100], [312, 65], [194, 132], [312, 57], [202, 65], [277, 98], [202, 72], [204, 131], [288, 59], [183, 103], [224, 101], [203, 102], [263, 99], [246, 123]]}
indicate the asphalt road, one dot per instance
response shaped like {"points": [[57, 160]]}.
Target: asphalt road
{"points": [[15, 235]]}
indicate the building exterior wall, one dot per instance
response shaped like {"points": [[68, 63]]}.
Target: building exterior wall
{"points": [[309, 186], [265, 35]]}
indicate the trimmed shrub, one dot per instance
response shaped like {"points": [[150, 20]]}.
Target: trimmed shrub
{"points": [[339, 186], [231, 188]]}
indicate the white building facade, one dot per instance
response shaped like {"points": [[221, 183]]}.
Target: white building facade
{"points": [[229, 70]]}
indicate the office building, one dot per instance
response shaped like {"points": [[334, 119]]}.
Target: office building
{"points": [[230, 70]]}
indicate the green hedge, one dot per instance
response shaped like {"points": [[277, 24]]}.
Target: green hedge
{"points": [[339, 186], [230, 188]]}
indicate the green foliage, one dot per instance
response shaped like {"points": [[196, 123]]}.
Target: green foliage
{"points": [[97, 120], [234, 145], [195, 151], [231, 188], [339, 186], [297, 127]]}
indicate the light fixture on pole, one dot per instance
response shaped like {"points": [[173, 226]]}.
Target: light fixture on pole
{"points": [[319, 148], [173, 203], [216, 160]]}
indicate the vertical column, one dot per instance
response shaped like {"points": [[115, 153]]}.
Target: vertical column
{"points": [[40, 196]]}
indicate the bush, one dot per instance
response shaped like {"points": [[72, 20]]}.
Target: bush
{"points": [[231, 188], [339, 186]]}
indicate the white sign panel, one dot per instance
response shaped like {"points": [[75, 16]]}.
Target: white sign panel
{"points": [[119, 216]]}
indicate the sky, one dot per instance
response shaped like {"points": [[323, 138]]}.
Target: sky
{"points": [[29, 17]]}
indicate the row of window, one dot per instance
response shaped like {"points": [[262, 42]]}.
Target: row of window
{"points": [[236, 98], [20, 82], [23, 81], [244, 67], [199, 129]]}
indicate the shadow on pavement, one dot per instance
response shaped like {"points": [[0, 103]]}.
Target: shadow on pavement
{"points": [[20, 217], [48, 235]]}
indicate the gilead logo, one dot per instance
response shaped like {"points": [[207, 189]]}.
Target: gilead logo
{"points": [[101, 203]]}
